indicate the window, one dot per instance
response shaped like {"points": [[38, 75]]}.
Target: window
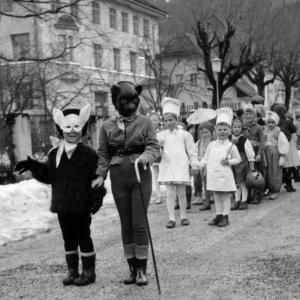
{"points": [[55, 4], [113, 18], [74, 9], [194, 79], [98, 55], [96, 13], [196, 105], [20, 45], [178, 78], [146, 29], [24, 96], [66, 47], [101, 99], [117, 59], [136, 25], [148, 70], [124, 22], [133, 57], [6, 5]]}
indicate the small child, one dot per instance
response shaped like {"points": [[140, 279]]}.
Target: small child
{"points": [[206, 136], [155, 119], [219, 156], [70, 169], [255, 134], [179, 148], [276, 148], [240, 171]]}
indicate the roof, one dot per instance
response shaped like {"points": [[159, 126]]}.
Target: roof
{"points": [[245, 88], [149, 5], [181, 46]]}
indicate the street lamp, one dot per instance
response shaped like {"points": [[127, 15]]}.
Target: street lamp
{"points": [[216, 64]]}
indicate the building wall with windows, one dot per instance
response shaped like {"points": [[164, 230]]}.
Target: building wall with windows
{"points": [[99, 42]]}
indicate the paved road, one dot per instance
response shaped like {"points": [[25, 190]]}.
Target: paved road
{"points": [[256, 257]]}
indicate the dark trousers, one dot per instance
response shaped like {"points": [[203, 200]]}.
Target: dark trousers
{"points": [[198, 184], [288, 174], [127, 196], [76, 232]]}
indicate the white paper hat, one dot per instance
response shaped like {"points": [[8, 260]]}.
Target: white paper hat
{"points": [[272, 115], [224, 115], [171, 105]]}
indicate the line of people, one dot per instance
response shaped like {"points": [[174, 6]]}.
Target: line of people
{"points": [[221, 159]]}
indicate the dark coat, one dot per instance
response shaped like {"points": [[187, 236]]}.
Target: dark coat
{"points": [[287, 127], [71, 181]]}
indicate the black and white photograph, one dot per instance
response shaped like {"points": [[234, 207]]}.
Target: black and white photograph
{"points": [[150, 149]]}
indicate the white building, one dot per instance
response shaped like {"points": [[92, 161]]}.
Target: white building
{"points": [[86, 47]]}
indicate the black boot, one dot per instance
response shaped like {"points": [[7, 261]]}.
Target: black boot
{"points": [[224, 222], [132, 269], [289, 188], [141, 277], [216, 220], [88, 274], [236, 205], [72, 262]]}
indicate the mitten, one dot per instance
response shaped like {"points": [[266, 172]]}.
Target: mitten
{"points": [[28, 165], [98, 194]]}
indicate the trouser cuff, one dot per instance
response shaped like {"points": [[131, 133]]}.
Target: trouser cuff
{"points": [[141, 252], [129, 251], [71, 252], [87, 254]]}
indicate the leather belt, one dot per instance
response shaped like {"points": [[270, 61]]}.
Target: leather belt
{"points": [[123, 150]]}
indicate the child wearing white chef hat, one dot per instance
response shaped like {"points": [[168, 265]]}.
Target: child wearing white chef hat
{"points": [[219, 156], [179, 149]]}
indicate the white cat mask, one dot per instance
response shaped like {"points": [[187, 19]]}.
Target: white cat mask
{"points": [[71, 122]]}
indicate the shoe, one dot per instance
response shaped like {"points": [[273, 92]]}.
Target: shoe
{"points": [[255, 201], [205, 207], [171, 224], [224, 222], [141, 277], [289, 188], [133, 270], [88, 274], [197, 201], [236, 205], [158, 200], [243, 205], [72, 262], [185, 222], [216, 220], [273, 196]]}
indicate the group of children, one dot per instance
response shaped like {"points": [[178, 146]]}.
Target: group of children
{"points": [[221, 158]]}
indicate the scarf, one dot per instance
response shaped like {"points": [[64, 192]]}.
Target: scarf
{"points": [[62, 146], [120, 120]]}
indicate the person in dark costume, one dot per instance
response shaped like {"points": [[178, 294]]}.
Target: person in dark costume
{"points": [[70, 169], [123, 139]]}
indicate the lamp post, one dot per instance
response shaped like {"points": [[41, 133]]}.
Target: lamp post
{"points": [[216, 64]]}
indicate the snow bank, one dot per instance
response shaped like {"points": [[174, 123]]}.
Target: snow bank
{"points": [[24, 209]]}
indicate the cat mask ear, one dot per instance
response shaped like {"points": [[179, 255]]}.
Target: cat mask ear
{"points": [[85, 114], [58, 117]]}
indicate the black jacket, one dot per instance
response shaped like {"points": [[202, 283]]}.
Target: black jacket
{"points": [[287, 127], [71, 181]]}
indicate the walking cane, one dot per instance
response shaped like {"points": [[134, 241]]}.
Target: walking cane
{"points": [[147, 222]]}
